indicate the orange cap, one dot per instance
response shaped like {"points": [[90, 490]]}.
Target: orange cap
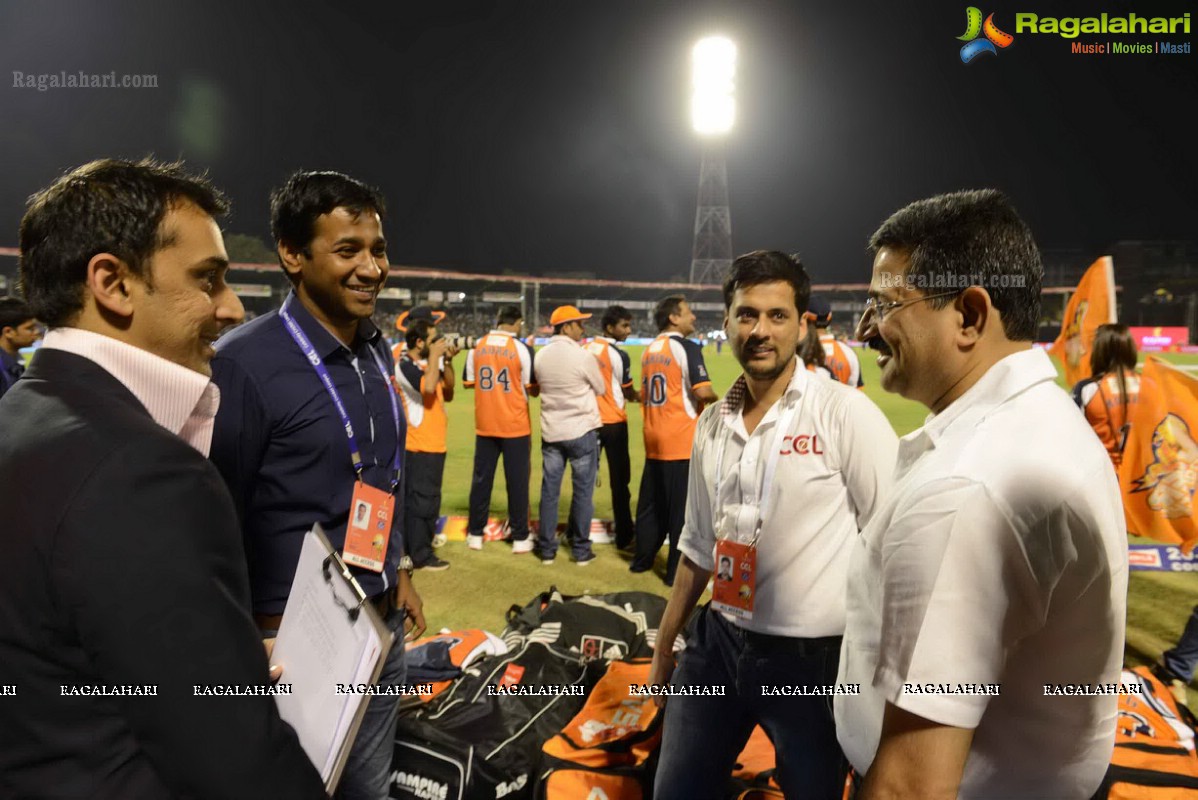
{"points": [[564, 314]]}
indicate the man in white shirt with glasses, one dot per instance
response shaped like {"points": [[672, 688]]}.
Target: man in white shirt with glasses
{"points": [[997, 566]]}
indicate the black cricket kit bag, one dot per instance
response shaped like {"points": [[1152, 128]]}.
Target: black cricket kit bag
{"points": [[481, 739], [610, 627]]}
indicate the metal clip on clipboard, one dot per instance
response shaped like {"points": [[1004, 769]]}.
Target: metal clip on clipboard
{"points": [[354, 610]]}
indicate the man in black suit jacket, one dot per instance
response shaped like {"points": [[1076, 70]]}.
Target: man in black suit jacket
{"points": [[123, 584]]}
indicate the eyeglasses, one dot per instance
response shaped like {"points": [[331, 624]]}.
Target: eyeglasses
{"points": [[880, 310]]}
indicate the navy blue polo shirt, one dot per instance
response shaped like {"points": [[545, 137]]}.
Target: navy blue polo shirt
{"points": [[281, 447]]}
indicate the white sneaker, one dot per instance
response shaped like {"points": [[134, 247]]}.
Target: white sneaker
{"points": [[474, 542], [439, 540], [524, 546]]}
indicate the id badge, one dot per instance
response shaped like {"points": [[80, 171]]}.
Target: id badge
{"points": [[369, 527], [735, 579]]}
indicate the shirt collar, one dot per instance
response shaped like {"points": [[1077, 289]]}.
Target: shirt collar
{"points": [[7, 362], [733, 403], [561, 337], [326, 343], [1007, 378], [175, 396]]}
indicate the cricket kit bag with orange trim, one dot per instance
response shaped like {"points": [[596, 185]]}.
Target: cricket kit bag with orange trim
{"points": [[481, 739], [1154, 756], [610, 627], [608, 751]]}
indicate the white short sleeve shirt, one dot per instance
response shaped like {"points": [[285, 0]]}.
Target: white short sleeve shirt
{"points": [[834, 465], [999, 559]]}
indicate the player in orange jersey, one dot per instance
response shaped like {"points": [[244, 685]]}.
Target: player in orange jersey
{"points": [[616, 368], [425, 380], [500, 371], [1108, 395], [839, 358], [674, 389]]}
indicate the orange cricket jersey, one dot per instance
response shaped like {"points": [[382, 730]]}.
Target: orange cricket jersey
{"points": [[500, 371], [1102, 403], [842, 362], [671, 368], [616, 368], [427, 421]]}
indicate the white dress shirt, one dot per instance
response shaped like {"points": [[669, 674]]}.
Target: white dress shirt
{"points": [[999, 558], [570, 380], [179, 399], [834, 464]]}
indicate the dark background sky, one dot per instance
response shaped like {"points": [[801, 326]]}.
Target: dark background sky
{"points": [[554, 135]]}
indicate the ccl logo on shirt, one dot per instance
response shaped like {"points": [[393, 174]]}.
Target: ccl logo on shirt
{"points": [[802, 444]]}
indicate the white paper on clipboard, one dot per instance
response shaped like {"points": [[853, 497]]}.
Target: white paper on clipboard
{"points": [[328, 636]]}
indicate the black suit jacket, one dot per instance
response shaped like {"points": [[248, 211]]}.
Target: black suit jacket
{"points": [[121, 563]]}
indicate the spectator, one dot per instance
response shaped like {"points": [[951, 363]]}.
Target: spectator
{"points": [[674, 388], [1108, 396], [570, 380], [988, 567], [310, 426], [18, 329], [500, 370], [779, 518], [122, 559]]}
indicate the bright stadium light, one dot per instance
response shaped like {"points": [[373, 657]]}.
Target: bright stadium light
{"points": [[713, 71]]}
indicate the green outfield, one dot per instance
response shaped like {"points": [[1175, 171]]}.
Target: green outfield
{"points": [[479, 586]]}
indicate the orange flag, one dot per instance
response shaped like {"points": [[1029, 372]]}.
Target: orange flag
{"points": [[1093, 304], [1160, 459]]}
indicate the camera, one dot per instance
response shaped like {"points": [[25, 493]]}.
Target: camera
{"points": [[461, 341]]}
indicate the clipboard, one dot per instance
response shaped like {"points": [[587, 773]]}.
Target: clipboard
{"points": [[329, 635]]}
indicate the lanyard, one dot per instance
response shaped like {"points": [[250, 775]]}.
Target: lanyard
{"points": [[305, 346], [781, 426]]}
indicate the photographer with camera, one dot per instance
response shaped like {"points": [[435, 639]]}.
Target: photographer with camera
{"points": [[425, 381]]}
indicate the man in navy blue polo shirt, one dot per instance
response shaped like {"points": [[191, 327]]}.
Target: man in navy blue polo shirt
{"points": [[309, 427]]}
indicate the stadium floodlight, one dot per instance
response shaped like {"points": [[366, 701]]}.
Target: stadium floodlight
{"points": [[713, 72]]}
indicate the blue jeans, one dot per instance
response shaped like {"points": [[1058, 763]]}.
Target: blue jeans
{"points": [[1183, 657], [367, 773], [583, 455], [703, 735]]}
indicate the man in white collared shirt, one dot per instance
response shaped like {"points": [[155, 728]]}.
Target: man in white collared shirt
{"points": [[121, 562], [784, 473], [570, 383], [998, 566]]}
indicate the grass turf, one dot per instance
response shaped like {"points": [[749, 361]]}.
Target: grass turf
{"points": [[480, 586]]}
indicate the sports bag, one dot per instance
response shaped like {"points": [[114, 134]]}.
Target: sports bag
{"points": [[1154, 755], [473, 743]]}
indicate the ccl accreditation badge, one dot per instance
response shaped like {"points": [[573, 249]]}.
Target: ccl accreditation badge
{"points": [[735, 578], [369, 527]]}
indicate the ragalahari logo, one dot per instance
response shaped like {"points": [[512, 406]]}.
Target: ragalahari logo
{"points": [[974, 27]]}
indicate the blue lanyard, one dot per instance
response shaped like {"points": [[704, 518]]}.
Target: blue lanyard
{"points": [[305, 345]]}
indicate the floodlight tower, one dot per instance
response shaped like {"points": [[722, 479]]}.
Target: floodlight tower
{"points": [[713, 110]]}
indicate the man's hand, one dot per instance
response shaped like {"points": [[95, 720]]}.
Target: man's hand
{"points": [[437, 349], [662, 668], [452, 351], [276, 670], [408, 600], [917, 759]]}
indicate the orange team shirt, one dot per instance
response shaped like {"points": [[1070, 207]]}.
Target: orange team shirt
{"points": [[499, 369], [427, 421], [841, 361], [616, 368], [671, 369], [1100, 400]]}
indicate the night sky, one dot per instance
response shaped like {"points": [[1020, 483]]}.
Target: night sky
{"points": [[554, 136]]}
